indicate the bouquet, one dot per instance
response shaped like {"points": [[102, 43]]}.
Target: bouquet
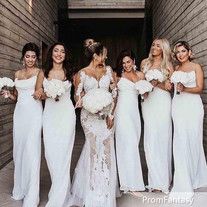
{"points": [[143, 87], [154, 74], [6, 83], [54, 88], [98, 101], [180, 77]]}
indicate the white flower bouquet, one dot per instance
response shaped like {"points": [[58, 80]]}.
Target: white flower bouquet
{"points": [[143, 87], [98, 101], [179, 77], [154, 74], [54, 88], [6, 83]]}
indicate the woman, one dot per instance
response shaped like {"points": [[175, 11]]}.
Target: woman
{"points": [[188, 113], [128, 125], [156, 111], [58, 123], [94, 182], [27, 124]]}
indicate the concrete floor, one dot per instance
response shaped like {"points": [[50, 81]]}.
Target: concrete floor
{"points": [[148, 199]]}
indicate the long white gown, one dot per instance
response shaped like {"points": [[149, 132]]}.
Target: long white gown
{"points": [[128, 132], [156, 110], [27, 125], [59, 121], [189, 159], [94, 182]]}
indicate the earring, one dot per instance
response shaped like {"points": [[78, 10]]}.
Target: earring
{"points": [[191, 56], [135, 67]]}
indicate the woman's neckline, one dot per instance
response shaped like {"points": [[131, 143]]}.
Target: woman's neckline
{"points": [[56, 79], [129, 80], [98, 80], [26, 78], [185, 71]]}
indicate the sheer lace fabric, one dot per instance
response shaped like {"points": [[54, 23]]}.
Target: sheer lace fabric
{"points": [[94, 182]]}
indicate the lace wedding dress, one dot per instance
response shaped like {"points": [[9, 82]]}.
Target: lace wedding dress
{"points": [[94, 182]]}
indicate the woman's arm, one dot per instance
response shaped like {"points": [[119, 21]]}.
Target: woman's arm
{"points": [[79, 93], [39, 92], [11, 95], [167, 85], [140, 75], [199, 82], [113, 86]]}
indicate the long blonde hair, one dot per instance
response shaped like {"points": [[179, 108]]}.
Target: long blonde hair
{"points": [[166, 58]]}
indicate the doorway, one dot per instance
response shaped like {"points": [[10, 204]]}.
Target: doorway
{"points": [[115, 34]]}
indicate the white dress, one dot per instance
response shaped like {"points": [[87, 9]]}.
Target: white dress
{"points": [[127, 132], [156, 110], [27, 143], [189, 159], [94, 182], [59, 121]]}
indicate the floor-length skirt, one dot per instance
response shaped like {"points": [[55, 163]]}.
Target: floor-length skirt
{"points": [[189, 159], [127, 133], [156, 110], [59, 133], [94, 182], [27, 125]]}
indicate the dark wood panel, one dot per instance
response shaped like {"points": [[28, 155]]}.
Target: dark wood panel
{"points": [[20, 22]]}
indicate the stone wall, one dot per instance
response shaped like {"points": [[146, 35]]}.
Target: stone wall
{"points": [[184, 20], [21, 21]]}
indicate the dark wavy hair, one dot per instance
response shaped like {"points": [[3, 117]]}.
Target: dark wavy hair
{"points": [[119, 63], [92, 47], [67, 65], [30, 46]]}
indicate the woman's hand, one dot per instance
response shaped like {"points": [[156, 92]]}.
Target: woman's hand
{"points": [[5, 93], [168, 85], [180, 87], [38, 94], [109, 122], [145, 95], [112, 85], [154, 82], [79, 104]]}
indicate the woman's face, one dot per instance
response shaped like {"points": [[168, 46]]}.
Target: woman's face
{"points": [[128, 64], [101, 58], [182, 54], [58, 54], [156, 49], [30, 59]]}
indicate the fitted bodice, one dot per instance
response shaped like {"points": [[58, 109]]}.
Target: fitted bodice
{"points": [[126, 86], [88, 82], [25, 89], [191, 79], [190, 82]]}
